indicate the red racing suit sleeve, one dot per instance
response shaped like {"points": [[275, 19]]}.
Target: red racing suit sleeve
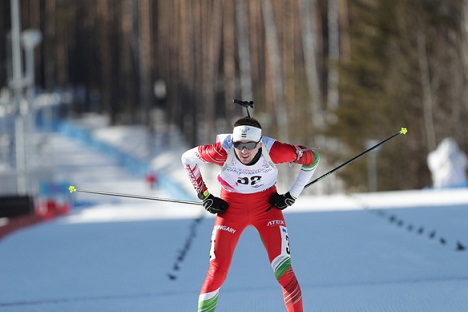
{"points": [[283, 153], [191, 159], [298, 154]]}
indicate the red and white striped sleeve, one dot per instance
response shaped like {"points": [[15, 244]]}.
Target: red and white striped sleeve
{"points": [[191, 159]]}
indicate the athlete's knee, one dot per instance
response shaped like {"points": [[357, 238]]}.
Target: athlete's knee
{"points": [[281, 265], [217, 272], [288, 280], [283, 271]]}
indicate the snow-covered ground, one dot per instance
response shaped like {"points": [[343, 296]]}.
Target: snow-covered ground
{"points": [[392, 251]]}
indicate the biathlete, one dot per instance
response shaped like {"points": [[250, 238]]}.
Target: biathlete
{"points": [[249, 197]]}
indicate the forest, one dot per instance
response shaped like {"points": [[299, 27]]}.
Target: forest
{"points": [[338, 74]]}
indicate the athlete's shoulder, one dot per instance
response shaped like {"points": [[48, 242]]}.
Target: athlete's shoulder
{"points": [[217, 152], [268, 142], [282, 152], [225, 140]]}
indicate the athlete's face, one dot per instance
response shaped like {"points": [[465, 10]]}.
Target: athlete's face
{"points": [[246, 150]]}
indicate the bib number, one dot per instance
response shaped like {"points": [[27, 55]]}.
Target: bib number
{"points": [[246, 181]]}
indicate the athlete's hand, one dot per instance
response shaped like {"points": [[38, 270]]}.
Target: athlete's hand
{"points": [[281, 201], [214, 204]]}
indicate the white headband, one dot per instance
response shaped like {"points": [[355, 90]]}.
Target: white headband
{"points": [[246, 133]]}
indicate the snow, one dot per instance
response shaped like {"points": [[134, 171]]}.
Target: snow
{"points": [[448, 165], [390, 251]]}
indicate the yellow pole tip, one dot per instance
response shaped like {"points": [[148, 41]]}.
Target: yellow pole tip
{"points": [[403, 131], [72, 189]]}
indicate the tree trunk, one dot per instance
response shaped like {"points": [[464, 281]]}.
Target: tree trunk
{"points": [[464, 47], [145, 63], [126, 90], [212, 63], [243, 49], [105, 56], [427, 92], [49, 47], [274, 75], [333, 55], [187, 54], [307, 8]]}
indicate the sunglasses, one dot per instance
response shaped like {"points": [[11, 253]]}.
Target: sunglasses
{"points": [[249, 145]]}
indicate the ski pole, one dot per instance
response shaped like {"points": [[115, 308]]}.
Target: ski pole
{"points": [[72, 189], [402, 131]]}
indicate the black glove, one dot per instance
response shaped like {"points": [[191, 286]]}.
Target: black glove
{"points": [[214, 204], [281, 201]]}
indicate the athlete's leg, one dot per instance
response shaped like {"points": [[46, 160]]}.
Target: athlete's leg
{"points": [[224, 238], [274, 234]]}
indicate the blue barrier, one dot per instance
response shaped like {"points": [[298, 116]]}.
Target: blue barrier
{"points": [[52, 189], [138, 166]]}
